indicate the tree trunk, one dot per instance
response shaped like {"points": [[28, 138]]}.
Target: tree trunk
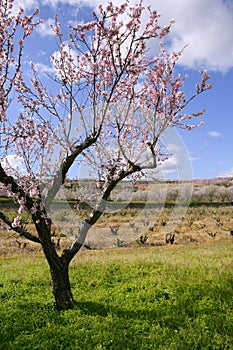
{"points": [[59, 267], [61, 287]]}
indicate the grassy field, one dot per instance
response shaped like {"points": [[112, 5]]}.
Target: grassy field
{"points": [[169, 297]]}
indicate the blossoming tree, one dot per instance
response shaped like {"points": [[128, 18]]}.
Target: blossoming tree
{"points": [[110, 105]]}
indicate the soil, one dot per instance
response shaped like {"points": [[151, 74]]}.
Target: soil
{"points": [[132, 227]]}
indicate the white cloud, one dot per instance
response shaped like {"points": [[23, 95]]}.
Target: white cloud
{"points": [[172, 147], [13, 164], [206, 26], [43, 68], [169, 166], [214, 134], [227, 173], [44, 29], [194, 158], [76, 3], [25, 4], [57, 57]]}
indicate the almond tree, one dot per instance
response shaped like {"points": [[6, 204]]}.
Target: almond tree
{"points": [[110, 105]]}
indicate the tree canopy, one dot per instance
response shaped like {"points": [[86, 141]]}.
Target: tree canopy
{"points": [[108, 103]]}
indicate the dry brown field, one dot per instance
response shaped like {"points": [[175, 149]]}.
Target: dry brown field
{"points": [[131, 227]]}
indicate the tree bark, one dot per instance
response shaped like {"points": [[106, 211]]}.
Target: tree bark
{"points": [[61, 287], [59, 267]]}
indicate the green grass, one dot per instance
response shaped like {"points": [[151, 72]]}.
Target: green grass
{"points": [[176, 297]]}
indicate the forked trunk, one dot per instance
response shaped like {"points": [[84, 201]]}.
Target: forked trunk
{"points": [[61, 287]]}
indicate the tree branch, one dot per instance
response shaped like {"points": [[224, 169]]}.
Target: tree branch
{"points": [[9, 180], [40, 214], [20, 230], [65, 166], [94, 216]]}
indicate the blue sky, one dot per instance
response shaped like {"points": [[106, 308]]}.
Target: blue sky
{"points": [[207, 27]]}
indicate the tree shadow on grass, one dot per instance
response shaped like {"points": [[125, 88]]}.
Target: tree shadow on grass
{"points": [[39, 312], [126, 326], [93, 308]]}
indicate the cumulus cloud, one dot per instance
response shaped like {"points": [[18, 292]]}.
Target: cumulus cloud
{"points": [[44, 29], [173, 164], [214, 134], [205, 26], [13, 163], [168, 166], [25, 4], [227, 173], [43, 68], [75, 3]]}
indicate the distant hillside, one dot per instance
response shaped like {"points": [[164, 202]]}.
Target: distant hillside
{"points": [[200, 190]]}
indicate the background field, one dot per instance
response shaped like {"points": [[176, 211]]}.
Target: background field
{"points": [[196, 224], [172, 297]]}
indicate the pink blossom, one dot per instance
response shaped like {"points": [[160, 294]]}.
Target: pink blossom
{"points": [[17, 221], [108, 105]]}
